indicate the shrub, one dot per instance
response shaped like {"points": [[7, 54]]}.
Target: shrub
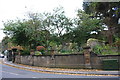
{"points": [[105, 50], [97, 49], [25, 52], [38, 53], [40, 48]]}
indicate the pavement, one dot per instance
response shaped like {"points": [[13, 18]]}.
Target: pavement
{"points": [[67, 71]]}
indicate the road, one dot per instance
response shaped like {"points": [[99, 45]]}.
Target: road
{"points": [[11, 72]]}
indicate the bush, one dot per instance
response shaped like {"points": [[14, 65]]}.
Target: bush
{"points": [[41, 49], [25, 52], [97, 49], [105, 50], [38, 53], [117, 42]]}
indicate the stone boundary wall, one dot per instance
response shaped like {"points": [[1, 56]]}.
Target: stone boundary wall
{"points": [[64, 61], [96, 61]]}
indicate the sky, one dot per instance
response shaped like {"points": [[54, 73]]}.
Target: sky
{"points": [[13, 9]]}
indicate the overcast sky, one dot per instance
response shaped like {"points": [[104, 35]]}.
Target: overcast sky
{"points": [[11, 9]]}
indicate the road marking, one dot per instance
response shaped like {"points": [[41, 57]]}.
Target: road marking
{"points": [[34, 77], [10, 73], [14, 73]]}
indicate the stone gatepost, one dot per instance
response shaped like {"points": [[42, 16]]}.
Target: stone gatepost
{"points": [[52, 52], [87, 57]]}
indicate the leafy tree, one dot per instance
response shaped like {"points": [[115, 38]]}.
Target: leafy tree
{"points": [[39, 29], [109, 12], [33, 30], [26, 33], [47, 29], [85, 26], [17, 32], [43, 29], [61, 24], [4, 43]]}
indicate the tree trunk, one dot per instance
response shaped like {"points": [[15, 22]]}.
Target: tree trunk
{"points": [[110, 35]]}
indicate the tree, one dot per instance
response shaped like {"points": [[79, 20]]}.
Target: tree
{"points": [[34, 30], [4, 43], [109, 13], [39, 29], [61, 25], [17, 32], [47, 29], [85, 26], [26, 33], [60, 22]]}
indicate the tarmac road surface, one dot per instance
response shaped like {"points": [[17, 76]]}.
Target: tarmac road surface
{"points": [[11, 73]]}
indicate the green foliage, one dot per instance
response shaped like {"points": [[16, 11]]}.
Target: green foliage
{"points": [[117, 42], [17, 31], [105, 50], [65, 52], [40, 49], [52, 44], [85, 25], [60, 22], [54, 29], [39, 29], [38, 53], [108, 12], [98, 49], [25, 52]]}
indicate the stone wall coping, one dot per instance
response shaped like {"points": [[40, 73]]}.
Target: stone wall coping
{"points": [[71, 54], [107, 55], [54, 55]]}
